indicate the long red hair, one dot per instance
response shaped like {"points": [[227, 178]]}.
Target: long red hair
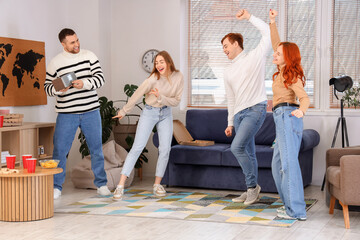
{"points": [[292, 70]]}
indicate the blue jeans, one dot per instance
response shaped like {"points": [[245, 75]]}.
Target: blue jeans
{"points": [[66, 126], [285, 163], [151, 116], [247, 123]]}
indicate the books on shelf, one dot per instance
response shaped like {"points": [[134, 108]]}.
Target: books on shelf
{"points": [[3, 156], [13, 119]]}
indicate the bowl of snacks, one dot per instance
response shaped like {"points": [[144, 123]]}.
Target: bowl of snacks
{"points": [[49, 163]]}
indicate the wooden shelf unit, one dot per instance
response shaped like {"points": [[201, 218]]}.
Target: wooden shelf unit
{"points": [[25, 139]]}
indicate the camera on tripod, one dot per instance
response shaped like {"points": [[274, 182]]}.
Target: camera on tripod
{"points": [[340, 83]]}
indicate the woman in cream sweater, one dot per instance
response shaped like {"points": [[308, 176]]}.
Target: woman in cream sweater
{"points": [[163, 90], [288, 86]]}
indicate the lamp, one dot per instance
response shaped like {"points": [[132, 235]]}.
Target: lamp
{"points": [[340, 83]]}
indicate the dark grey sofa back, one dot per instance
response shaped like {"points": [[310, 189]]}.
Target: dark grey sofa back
{"points": [[210, 124]]}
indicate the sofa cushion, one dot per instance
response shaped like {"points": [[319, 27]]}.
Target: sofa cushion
{"points": [[267, 132], [196, 155], [263, 155], [208, 124]]}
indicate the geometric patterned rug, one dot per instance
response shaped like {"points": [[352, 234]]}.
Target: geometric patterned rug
{"points": [[184, 205]]}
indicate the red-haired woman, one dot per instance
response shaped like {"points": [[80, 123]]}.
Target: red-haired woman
{"points": [[163, 90], [288, 86]]}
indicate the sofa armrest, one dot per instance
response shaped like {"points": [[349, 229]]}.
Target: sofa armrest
{"points": [[350, 178], [156, 140], [310, 139]]}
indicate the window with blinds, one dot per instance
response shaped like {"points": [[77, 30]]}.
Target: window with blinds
{"points": [[300, 28], [345, 49], [209, 22]]}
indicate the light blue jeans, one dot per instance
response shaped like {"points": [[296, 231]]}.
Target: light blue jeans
{"points": [[66, 126], [285, 163], [247, 123], [151, 116]]}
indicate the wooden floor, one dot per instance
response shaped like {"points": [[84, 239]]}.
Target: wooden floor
{"points": [[320, 225]]}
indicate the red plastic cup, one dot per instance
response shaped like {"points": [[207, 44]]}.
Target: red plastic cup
{"points": [[24, 157], [31, 165], [10, 161], [1, 121]]}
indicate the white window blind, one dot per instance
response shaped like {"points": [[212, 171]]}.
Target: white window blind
{"points": [[209, 22], [345, 49], [301, 29]]}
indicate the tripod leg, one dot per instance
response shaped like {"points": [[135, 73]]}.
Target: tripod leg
{"points": [[323, 183], [336, 132], [332, 146], [344, 128]]}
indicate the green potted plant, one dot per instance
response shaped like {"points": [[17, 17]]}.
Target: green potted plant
{"points": [[352, 97], [107, 111]]}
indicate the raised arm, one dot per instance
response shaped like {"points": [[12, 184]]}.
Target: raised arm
{"points": [[275, 38], [264, 44]]}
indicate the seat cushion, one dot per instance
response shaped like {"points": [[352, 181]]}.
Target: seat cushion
{"points": [[333, 175], [196, 155]]}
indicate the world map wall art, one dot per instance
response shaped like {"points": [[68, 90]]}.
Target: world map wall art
{"points": [[22, 72]]}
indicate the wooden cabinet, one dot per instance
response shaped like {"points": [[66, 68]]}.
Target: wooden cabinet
{"points": [[26, 138]]}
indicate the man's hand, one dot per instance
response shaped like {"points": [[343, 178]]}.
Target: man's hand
{"points": [[228, 131], [65, 89], [243, 14], [155, 92], [77, 84], [297, 113], [272, 14]]}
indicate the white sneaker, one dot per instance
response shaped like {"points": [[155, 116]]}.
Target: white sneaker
{"points": [[57, 193], [281, 209], [118, 193], [240, 199], [284, 215], [159, 190], [103, 191], [252, 195]]}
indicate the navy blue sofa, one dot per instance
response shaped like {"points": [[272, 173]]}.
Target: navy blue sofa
{"points": [[215, 166]]}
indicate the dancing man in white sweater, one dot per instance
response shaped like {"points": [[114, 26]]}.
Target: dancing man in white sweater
{"points": [[77, 106], [246, 98]]}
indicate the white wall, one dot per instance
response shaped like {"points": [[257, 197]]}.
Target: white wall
{"points": [[119, 32], [42, 20]]}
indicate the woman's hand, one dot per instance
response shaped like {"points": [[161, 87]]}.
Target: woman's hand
{"points": [[297, 113], [155, 92], [272, 14], [243, 14], [119, 116], [228, 131]]}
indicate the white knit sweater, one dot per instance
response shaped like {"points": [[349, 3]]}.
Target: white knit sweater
{"points": [[86, 67], [244, 79]]}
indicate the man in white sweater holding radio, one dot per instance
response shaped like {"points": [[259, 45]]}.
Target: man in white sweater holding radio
{"points": [[77, 106], [246, 99]]}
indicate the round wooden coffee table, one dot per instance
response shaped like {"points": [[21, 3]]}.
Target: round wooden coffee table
{"points": [[27, 196]]}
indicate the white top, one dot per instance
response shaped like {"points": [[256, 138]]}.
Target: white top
{"points": [[245, 77]]}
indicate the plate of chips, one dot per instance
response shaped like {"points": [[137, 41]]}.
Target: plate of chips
{"points": [[49, 163]]}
